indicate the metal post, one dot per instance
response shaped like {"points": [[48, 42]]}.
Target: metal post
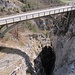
{"points": [[26, 17], [13, 19], [32, 15], [20, 18], [38, 14], [44, 13], [54, 11], [63, 10], [6, 21], [17, 31], [59, 10], [49, 12]]}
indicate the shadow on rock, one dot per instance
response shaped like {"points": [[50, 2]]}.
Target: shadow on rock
{"points": [[23, 54], [45, 62]]}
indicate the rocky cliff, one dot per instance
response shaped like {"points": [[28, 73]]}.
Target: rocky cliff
{"points": [[43, 46], [27, 55]]}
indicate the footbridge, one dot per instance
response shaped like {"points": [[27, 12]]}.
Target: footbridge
{"points": [[33, 14]]}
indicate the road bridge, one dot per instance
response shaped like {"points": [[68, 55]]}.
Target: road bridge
{"points": [[34, 14]]}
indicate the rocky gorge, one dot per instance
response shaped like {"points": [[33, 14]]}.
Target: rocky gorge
{"points": [[51, 51]]}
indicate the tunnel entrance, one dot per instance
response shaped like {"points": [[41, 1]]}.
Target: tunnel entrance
{"points": [[45, 62]]}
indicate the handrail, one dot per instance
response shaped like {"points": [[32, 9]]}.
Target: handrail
{"points": [[44, 12]]}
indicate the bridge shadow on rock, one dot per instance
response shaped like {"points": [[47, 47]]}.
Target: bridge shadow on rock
{"points": [[19, 52], [45, 62]]}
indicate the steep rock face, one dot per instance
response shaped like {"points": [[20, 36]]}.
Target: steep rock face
{"points": [[45, 62], [44, 1], [8, 7], [64, 46], [62, 35], [20, 61], [30, 46]]}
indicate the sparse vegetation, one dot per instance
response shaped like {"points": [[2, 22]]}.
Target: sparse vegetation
{"points": [[10, 12], [16, 9], [24, 42], [46, 33], [25, 7], [31, 27], [2, 9], [31, 5]]}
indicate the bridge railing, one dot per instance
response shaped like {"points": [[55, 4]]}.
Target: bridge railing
{"points": [[31, 15]]}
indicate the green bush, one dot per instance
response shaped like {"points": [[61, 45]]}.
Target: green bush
{"points": [[25, 7]]}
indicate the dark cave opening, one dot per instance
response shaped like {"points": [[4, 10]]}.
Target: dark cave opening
{"points": [[45, 62], [48, 60]]}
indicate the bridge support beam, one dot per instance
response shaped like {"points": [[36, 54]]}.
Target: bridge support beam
{"points": [[2, 33]]}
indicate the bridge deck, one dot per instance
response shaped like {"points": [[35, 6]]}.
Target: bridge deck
{"points": [[35, 14]]}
